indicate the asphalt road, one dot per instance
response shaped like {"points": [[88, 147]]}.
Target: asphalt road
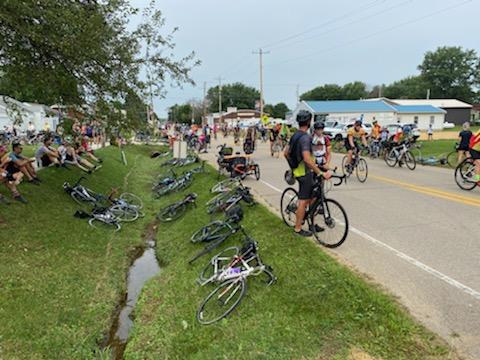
{"points": [[414, 232]]}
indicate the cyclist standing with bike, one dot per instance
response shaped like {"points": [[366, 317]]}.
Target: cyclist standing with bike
{"points": [[351, 142], [301, 160]]}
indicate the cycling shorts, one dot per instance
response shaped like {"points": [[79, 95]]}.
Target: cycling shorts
{"points": [[475, 154], [305, 191]]}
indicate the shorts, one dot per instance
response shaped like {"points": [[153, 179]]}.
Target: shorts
{"points": [[69, 157], [348, 147], [45, 160], [12, 168], [463, 148], [475, 154], [305, 191]]}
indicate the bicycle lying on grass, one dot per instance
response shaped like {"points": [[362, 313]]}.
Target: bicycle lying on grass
{"points": [[173, 184], [176, 210], [464, 175], [225, 185], [230, 268], [325, 217], [227, 200]]}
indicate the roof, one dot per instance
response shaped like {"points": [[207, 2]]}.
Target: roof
{"points": [[418, 109], [346, 106], [441, 103]]}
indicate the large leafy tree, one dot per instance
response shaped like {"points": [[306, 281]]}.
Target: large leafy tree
{"points": [[73, 52], [236, 94], [180, 113], [354, 91], [451, 72], [412, 87], [351, 91]]}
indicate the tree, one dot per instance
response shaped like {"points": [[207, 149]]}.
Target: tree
{"points": [[236, 94], [268, 109], [72, 52], [280, 110], [451, 72], [354, 91], [180, 113], [412, 87], [325, 92]]}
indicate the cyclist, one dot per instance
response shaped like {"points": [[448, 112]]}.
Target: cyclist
{"points": [[475, 154], [463, 141], [351, 142], [376, 129], [274, 133], [321, 146], [301, 160]]}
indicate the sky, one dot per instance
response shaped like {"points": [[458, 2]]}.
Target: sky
{"points": [[310, 42]]}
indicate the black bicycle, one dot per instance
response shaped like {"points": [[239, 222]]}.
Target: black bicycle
{"points": [[465, 173], [358, 164], [227, 200], [176, 210], [219, 230], [325, 217]]}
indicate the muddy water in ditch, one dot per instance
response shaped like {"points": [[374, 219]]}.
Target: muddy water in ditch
{"points": [[143, 268]]}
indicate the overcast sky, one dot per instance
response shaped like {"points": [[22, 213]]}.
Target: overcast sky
{"points": [[311, 42]]}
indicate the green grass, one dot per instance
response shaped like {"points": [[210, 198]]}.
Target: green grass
{"points": [[437, 148], [318, 309], [458, 128], [60, 280]]}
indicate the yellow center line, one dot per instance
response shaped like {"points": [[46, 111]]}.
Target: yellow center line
{"points": [[431, 191]]}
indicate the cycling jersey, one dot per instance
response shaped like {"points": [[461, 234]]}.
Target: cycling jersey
{"points": [[356, 134], [376, 131], [320, 145]]}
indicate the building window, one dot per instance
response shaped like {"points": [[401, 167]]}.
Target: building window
{"points": [[415, 119], [432, 120]]}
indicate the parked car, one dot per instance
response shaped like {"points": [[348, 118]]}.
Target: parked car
{"points": [[339, 132], [448, 125]]}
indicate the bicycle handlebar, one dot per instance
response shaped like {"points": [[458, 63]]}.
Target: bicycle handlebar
{"points": [[340, 179], [79, 181]]}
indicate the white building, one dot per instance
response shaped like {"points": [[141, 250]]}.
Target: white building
{"points": [[384, 112], [38, 114]]}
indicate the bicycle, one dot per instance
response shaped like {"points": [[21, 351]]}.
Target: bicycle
{"points": [[180, 183], [464, 174], [226, 201], [219, 230], [325, 216], [401, 154], [100, 214], [277, 147], [176, 210], [230, 268], [359, 164], [225, 185]]}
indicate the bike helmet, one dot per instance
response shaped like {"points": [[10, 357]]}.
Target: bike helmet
{"points": [[357, 123], [319, 125], [289, 178], [303, 117]]}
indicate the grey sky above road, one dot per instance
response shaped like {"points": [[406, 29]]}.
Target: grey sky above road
{"points": [[311, 42]]}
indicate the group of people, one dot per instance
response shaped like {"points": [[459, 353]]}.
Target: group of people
{"points": [[16, 167]]}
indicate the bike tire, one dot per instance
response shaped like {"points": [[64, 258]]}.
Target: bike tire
{"points": [[344, 167], [95, 223], [330, 216], [257, 172], [172, 212], [390, 158], [410, 160], [452, 159], [288, 206], [205, 232], [78, 198], [125, 213], [361, 170], [463, 175], [132, 200], [226, 290]]}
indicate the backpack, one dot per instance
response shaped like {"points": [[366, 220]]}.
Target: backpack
{"points": [[294, 158]]}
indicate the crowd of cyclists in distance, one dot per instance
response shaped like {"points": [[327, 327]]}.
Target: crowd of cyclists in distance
{"points": [[54, 148]]}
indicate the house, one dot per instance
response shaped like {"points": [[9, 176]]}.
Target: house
{"points": [[381, 110], [475, 116], [234, 115], [457, 111], [25, 112]]}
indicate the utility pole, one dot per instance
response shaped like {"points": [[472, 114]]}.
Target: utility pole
{"points": [[261, 53], [298, 93], [204, 101], [428, 94]]}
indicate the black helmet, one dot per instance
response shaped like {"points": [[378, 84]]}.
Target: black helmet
{"points": [[358, 122], [319, 125], [303, 117]]}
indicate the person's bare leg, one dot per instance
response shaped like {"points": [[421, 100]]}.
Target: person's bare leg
{"points": [[31, 169], [86, 163], [25, 172], [300, 214]]}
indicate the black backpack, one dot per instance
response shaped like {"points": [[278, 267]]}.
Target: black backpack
{"points": [[294, 157]]}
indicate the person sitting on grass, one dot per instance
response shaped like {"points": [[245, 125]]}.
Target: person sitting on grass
{"points": [[69, 156], [22, 163], [11, 182], [46, 155], [87, 150], [6, 166]]}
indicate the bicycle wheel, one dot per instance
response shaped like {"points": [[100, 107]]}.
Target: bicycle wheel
{"points": [[332, 220], [410, 160], [97, 224], [165, 190], [221, 301], [222, 259], [125, 213], [257, 172], [79, 199], [391, 158], [362, 170], [171, 212], [205, 233], [132, 200], [464, 175], [452, 159], [224, 185], [184, 184], [288, 206]]}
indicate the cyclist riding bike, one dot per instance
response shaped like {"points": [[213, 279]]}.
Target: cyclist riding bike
{"points": [[274, 133], [376, 129], [475, 154], [302, 162], [355, 133], [321, 146]]}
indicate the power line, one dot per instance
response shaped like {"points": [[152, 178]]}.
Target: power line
{"points": [[332, 21], [375, 33], [344, 25]]}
